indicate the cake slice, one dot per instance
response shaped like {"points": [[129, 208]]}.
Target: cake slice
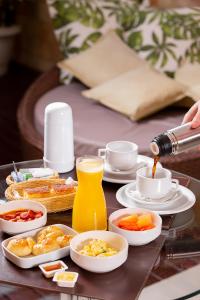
{"points": [[37, 192]]}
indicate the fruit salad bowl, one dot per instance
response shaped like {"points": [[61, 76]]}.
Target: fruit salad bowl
{"points": [[139, 226]]}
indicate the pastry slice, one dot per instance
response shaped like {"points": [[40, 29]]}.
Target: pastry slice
{"points": [[36, 192], [62, 189]]}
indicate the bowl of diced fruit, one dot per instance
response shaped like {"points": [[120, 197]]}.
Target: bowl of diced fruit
{"points": [[139, 226], [21, 216]]}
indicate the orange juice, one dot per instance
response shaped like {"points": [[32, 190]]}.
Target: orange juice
{"points": [[89, 210]]}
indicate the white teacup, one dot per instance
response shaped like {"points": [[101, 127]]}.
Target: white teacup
{"points": [[157, 187], [120, 155]]}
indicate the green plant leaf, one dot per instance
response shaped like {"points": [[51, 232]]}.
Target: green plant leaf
{"points": [[170, 74], [120, 33], [128, 15], [135, 40], [142, 17], [90, 40], [164, 60], [147, 48], [154, 16], [193, 52], [71, 14], [73, 50], [92, 17], [167, 29], [58, 22], [153, 57], [155, 38], [172, 53], [180, 25]]}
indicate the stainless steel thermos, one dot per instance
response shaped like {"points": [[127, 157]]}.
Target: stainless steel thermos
{"points": [[176, 140]]}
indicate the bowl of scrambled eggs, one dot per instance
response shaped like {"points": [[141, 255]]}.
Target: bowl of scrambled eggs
{"points": [[99, 251]]}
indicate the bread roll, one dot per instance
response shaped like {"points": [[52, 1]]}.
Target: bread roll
{"points": [[21, 247], [54, 235], [45, 246], [64, 240], [45, 233], [30, 242]]}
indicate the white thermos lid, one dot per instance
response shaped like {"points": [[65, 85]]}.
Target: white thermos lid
{"points": [[58, 137]]}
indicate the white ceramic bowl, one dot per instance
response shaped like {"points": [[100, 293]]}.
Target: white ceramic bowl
{"points": [[136, 238], [20, 227], [99, 264]]}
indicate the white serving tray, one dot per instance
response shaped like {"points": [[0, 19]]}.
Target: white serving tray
{"points": [[31, 260]]}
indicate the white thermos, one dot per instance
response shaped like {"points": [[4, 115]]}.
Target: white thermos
{"points": [[58, 137]]}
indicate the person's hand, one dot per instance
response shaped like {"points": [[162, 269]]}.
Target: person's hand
{"points": [[193, 115]]}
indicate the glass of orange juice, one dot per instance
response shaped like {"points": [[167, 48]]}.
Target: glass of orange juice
{"points": [[89, 209]]}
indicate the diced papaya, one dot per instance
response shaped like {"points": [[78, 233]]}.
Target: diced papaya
{"points": [[145, 220], [130, 227], [131, 218], [147, 227], [137, 222]]}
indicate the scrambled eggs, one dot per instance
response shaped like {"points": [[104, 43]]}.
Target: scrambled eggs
{"points": [[96, 247]]}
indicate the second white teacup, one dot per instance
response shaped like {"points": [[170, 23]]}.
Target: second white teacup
{"points": [[157, 187], [120, 155]]}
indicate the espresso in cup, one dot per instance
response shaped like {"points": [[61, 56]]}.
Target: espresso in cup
{"points": [[120, 155], [157, 187]]}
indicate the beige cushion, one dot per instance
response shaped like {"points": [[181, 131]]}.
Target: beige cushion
{"points": [[138, 93], [106, 59], [189, 75]]}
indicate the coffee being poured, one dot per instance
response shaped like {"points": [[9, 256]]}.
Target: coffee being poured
{"points": [[156, 160], [174, 141]]}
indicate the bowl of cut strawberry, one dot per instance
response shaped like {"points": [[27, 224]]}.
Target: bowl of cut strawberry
{"points": [[21, 216], [139, 226]]}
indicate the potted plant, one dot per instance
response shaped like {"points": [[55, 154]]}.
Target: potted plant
{"points": [[8, 31]]}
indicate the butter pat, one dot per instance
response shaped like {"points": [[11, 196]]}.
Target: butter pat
{"points": [[38, 172], [65, 279]]}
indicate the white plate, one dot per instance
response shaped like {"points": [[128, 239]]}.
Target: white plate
{"points": [[132, 193], [186, 201], [137, 166], [130, 175], [31, 261]]}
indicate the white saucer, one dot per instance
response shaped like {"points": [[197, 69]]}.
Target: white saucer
{"points": [[182, 203], [137, 166], [128, 176], [132, 193]]}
